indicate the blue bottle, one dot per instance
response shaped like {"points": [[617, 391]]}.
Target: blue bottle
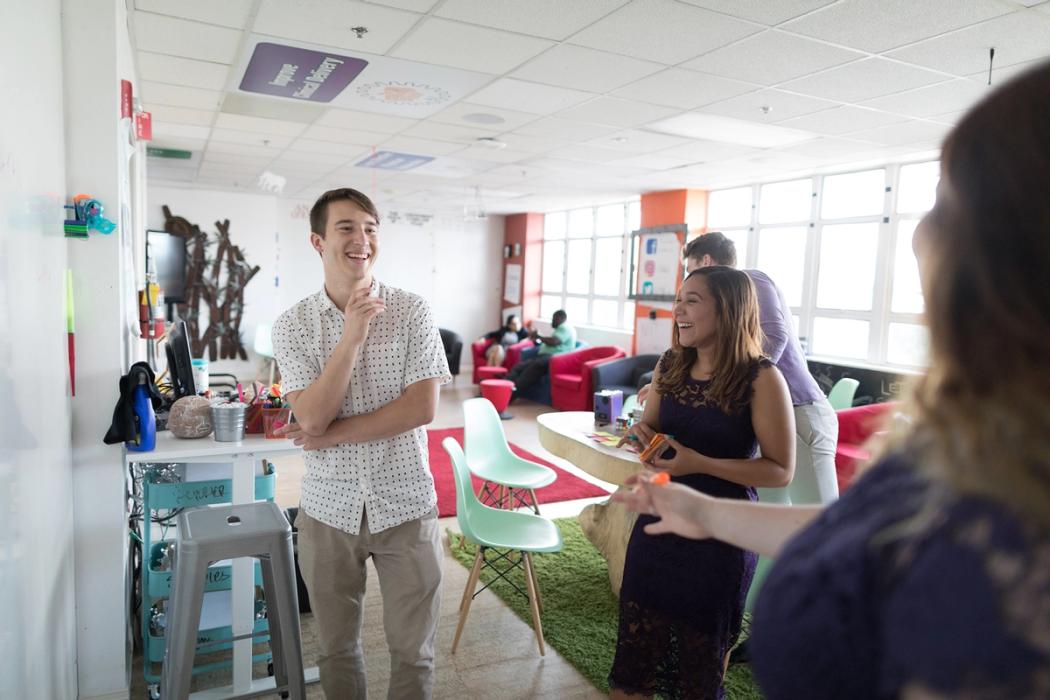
{"points": [[145, 420]]}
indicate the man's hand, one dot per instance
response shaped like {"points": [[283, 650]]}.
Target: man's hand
{"points": [[295, 433], [359, 311]]}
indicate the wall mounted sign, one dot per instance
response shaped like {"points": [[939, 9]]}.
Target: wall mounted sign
{"points": [[302, 74], [390, 160], [656, 262]]}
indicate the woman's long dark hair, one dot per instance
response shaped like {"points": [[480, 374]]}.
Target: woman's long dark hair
{"points": [[738, 341]]}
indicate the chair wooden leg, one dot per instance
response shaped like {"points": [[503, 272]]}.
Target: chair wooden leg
{"points": [[535, 502], [530, 583], [535, 585], [468, 597]]}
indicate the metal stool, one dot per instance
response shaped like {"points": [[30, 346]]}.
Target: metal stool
{"points": [[210, 534]]}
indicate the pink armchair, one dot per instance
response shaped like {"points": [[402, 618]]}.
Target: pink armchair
{"points": [[570, 373], [478, 348]]}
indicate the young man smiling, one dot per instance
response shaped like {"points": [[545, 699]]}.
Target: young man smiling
{"points": [[361, 364]]}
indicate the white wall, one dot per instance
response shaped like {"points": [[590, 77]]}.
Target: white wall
{"points": [[452, 263], [38, 631], [253, 228], [96, 55]]}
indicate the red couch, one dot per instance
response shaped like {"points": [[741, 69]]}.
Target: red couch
{"points": [[856, 426], [478, 348], [570, 373]]}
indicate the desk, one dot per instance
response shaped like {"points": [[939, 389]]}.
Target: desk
{"points": [[242, 457], [607, 525]]}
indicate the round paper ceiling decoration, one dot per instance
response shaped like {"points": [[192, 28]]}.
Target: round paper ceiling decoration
{"points": [[391, 92]]}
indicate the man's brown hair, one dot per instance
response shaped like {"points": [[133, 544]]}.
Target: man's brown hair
{"points": [[319, 211]]}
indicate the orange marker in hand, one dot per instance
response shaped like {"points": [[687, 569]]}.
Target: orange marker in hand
{"points": [[660, 479]]}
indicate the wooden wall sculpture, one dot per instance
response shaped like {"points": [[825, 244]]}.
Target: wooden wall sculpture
{"points": [[216, 275]]}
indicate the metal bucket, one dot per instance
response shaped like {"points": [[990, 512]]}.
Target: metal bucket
{"points": [[228, 421]]}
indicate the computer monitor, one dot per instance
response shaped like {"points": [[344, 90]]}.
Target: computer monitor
{"points": [[180, 362], [166, 255]]}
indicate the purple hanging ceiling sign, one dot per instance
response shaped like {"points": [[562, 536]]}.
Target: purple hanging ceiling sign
{"points": [[301, 74]]}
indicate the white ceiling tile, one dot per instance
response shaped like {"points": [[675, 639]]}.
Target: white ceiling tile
{"points": [[178, 142], [235, 159], [258, 125], [228, 13], [502, 155], [468, 47], [1001, 75], [410, 5], [181, 130], [637, 141], [659, 161], [250, 138], [350, 119], [533, 144], [328, 22], [180, 37], [903, 134], [553, 19], [349, 150], [825, 147], [589, 153], [160, 173], [585, 69], [953, 95], [300, 160], [242, 149], [617, 112], [700, 150], [465, 134], [176, 70], [763, 11], [879, 25], [271, 108], [662, 31], [420, 147], [840, 120], [684, 89], [355, 136], [180, 96], [564, 129], [771, 57], [1018, 37], [482, 116], [767, 106], [179, 115], [518, 95], [863, 80]]}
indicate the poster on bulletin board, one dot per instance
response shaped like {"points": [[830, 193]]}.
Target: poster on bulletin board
{"points": [[656, 258]]}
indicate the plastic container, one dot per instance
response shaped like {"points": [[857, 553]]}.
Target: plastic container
{"points": [[228, 421], [275, 419], [200, 374]]}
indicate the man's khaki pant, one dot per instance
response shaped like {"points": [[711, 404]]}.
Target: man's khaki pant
{"points": [[408, 559]]}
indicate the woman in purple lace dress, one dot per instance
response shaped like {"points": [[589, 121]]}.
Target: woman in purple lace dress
{"points": [[682, 600], [930, 577]]}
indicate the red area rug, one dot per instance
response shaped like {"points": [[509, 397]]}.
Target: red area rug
{"points": [[566, 487]]}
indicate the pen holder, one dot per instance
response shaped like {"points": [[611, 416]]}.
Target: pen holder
{"points": [[228, 421], [274, 419]]}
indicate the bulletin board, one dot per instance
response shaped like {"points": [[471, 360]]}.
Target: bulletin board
{"points": [[656, 259]]}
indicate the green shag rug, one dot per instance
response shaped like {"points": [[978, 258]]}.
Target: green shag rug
{"points": [[580, 613]]}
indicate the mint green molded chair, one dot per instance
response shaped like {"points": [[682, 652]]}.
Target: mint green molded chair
{"points": [[841, 395], [495, 530], [510, 481]]}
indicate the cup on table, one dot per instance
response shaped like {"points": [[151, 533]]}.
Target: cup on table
{"points": [[228, 421], [274, 419]]}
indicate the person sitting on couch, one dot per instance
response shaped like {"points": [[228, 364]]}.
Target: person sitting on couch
{"points": [[504, 337], [562, 339]]}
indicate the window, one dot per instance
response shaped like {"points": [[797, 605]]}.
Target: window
{"points": [[839, 247], [584, 263]]}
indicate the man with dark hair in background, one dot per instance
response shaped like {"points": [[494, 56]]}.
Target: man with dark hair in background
{"points": [[562, 339], [361, 365]]}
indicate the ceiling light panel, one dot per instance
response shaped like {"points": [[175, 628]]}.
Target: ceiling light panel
{"points": [[735, 131]]}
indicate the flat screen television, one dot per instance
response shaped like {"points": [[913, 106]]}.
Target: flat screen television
{"points": [[180, 362], [166, 254]]}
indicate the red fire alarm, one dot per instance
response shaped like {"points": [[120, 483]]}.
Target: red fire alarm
{"points": [[144, 126]]}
